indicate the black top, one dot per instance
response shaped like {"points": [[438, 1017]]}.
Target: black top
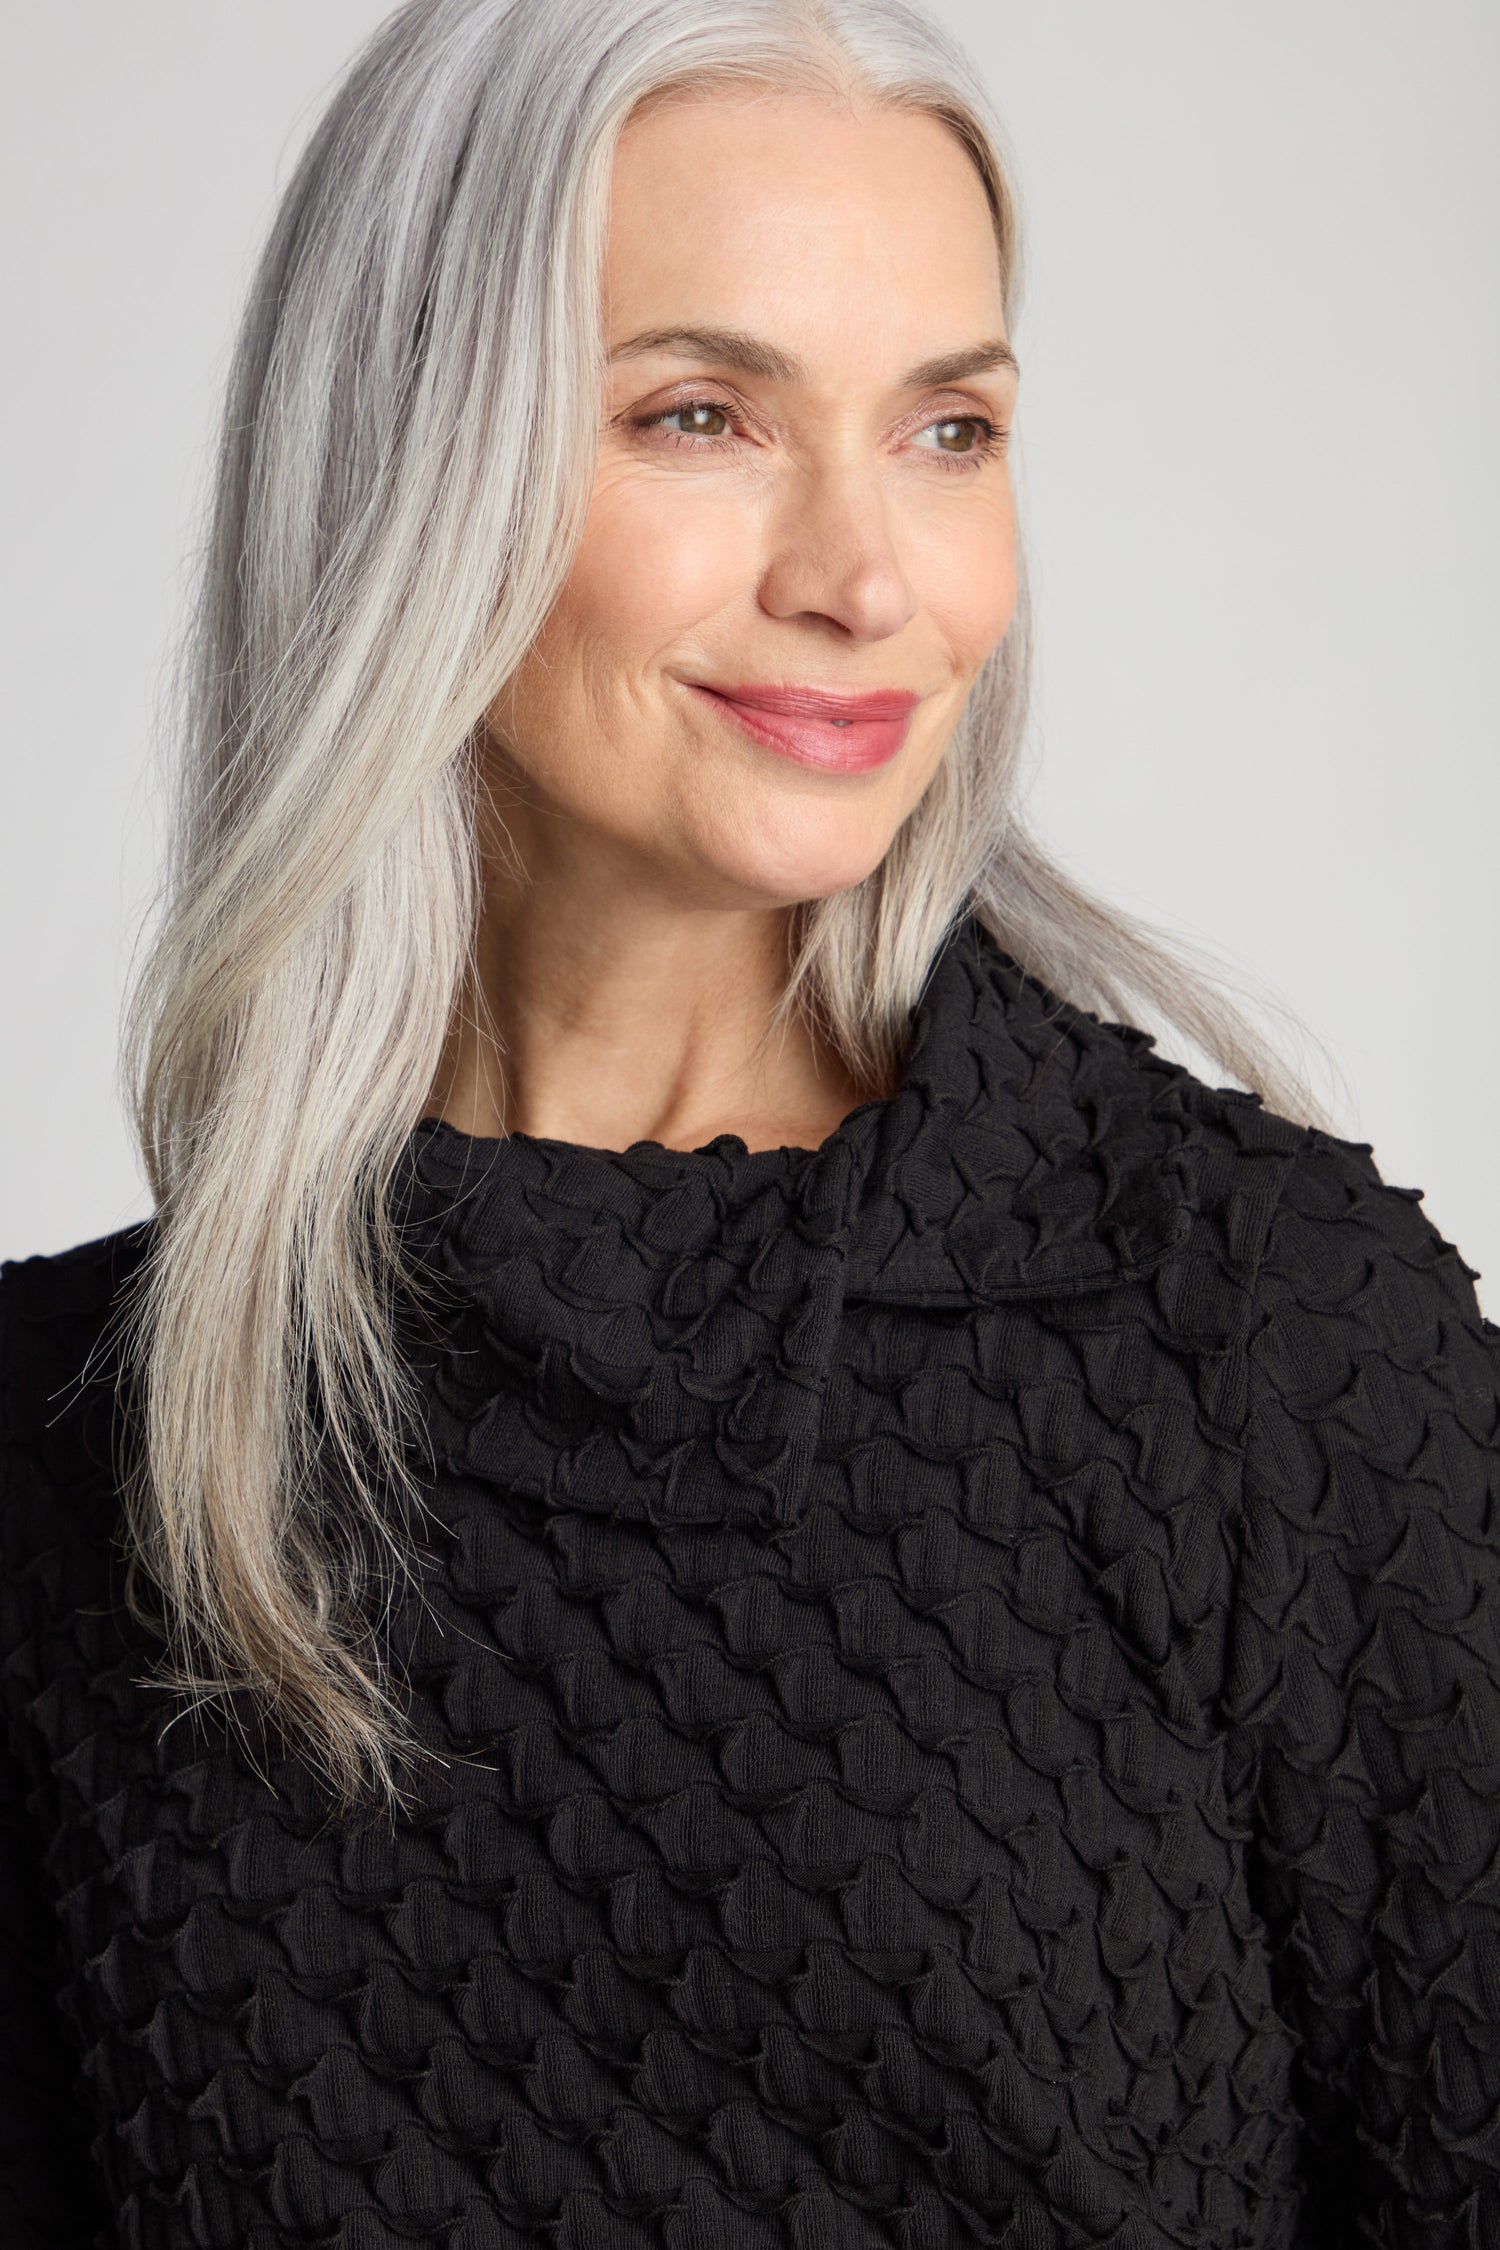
{"points": [[967, 1661]]}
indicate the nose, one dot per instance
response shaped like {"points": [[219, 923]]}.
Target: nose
{"points": [[833, 555]]}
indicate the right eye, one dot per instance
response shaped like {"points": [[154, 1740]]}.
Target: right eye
{"points": [[688, 407]]}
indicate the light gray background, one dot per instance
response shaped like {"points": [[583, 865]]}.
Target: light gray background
{"points": [[1257, 457]]}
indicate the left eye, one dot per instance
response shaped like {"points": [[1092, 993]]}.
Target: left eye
{"points": [[983, 431]]}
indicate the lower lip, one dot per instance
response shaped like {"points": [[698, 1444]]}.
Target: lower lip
{"points": [[855, 748]]}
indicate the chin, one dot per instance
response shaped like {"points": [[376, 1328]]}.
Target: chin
{"points": [[799, 869]]}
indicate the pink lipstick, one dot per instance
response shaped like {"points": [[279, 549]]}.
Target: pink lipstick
{"points": [[841, 733]]}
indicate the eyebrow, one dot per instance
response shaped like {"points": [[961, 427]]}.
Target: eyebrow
{"points": [[753, 356]]}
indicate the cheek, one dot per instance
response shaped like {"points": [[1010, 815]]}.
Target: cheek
{"points": [[654, 557], [969, 581]]}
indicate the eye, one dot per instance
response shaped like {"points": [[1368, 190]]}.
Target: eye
{"points": [[697, 415], [694, 412], [986, 437]]}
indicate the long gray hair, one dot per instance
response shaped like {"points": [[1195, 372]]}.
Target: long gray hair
{"points": [[404, 471]]}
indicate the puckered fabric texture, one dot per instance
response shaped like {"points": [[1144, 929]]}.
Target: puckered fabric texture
{"points": [[965, 1663]]}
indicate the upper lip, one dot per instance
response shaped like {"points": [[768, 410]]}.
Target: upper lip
{"points": [[800, 702]]}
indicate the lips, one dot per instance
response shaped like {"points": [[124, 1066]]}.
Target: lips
{"points": [[816, 726]]}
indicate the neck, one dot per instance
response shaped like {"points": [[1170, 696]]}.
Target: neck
{"points": [[604, 1020]]}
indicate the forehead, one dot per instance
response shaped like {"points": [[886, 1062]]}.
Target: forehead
{"points": [[785, 208]]}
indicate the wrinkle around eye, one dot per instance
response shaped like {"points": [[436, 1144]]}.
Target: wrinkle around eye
{"points": [[993, 431]]}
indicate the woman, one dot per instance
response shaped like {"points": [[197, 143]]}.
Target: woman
{"points": [[723, 1574]]}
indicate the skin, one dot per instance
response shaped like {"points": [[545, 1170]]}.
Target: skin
{"points": [[641, 857]]}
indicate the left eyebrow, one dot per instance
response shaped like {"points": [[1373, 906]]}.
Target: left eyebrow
{"points": [[732, 347]]}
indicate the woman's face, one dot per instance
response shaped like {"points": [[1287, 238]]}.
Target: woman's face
{"points": [[824, 508]]}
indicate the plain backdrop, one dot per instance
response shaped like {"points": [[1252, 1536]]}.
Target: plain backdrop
{"points": [[1257, 463]]}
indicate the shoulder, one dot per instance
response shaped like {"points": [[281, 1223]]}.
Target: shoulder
{"points": [[1366, 1395], [1375, 1371], [1319, 1228], [1099, 1157], [60, 1397], [1301, 1210], [58, 1314], [1371, 1371]]}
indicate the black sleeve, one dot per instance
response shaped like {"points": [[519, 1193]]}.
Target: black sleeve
{"points": [[1364, 1699], [48, 2191], [50, 2198]]}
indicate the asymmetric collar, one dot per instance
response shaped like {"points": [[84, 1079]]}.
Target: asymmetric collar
{"points": [[1032, 1149]]}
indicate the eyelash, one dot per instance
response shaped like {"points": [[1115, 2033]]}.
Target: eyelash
{"points": [[991, 439]]}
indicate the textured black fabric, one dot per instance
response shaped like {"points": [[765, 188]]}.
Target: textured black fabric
{"points": [[968, 1663]]}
